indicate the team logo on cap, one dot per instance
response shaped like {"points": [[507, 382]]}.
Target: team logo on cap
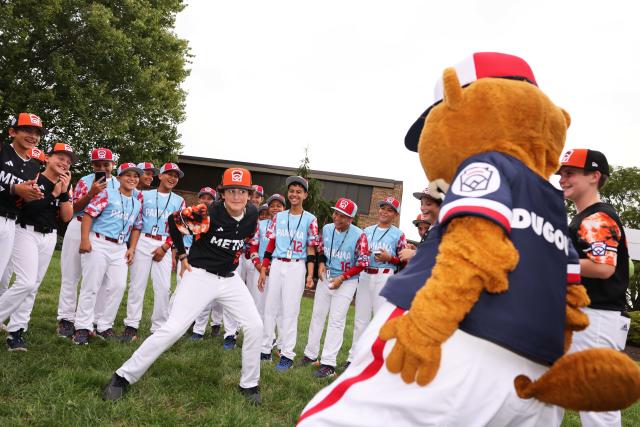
{"points": [[236, 175], [389, 200], [566, 156], [102, 154], [35, 120], [476, 180], [344, 204]]}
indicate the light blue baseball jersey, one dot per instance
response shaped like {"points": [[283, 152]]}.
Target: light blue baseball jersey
{"points": [[113, 213], [263, 240], [340, 248], [187, 240], [390, 239], [293, 233], [84, 185], [156, 210]]}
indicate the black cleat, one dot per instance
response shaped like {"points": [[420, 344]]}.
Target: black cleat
{"points": [[116, 388], [229, 342], [265, 357], [325, 371], [215, 331], [252, 394], [15, 342], [108, 335], [65, 329], [130, 334], [306, 361], [81, 337]]}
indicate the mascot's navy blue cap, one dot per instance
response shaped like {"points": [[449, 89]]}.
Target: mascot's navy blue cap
{"points": [[477, 66]]}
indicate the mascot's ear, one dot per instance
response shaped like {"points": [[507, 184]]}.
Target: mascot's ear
{"points": [[452, 89], [567, 117]]}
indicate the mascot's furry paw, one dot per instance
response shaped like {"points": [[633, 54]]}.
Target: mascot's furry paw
{"points": [[413, 360], [193, 220], [597, 379]]}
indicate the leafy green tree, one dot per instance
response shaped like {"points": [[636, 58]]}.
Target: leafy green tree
{"points": [[99, 73], [315, 203], [622, 191]]}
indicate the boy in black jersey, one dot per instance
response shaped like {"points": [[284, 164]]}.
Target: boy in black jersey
{"points": [[17, 176], [209, 275], [35, 240], [598, 235]]}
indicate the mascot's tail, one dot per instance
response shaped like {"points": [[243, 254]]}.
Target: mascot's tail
{"points": [[597, 379]]}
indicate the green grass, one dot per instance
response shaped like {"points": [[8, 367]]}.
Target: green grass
{"points": [[57, 383]]}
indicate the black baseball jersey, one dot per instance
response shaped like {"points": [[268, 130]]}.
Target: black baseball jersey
{"points": [[13, 170], [41, 213], [218, 250], [598, 235]]}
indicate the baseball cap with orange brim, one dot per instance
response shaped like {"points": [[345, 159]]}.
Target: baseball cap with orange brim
{"points": [[239, 178], [37, 154], [23, 120], [589, 160], [62, 148]]}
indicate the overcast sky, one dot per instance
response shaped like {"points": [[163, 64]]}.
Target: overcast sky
{"points": [[347, 78]]}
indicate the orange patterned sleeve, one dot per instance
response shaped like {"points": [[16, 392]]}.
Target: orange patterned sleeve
{"points": [[601, 236]]}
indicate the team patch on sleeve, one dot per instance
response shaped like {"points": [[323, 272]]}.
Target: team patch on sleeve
{"points": [[601, 236]]}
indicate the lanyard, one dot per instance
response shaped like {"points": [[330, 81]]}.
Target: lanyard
{"points": [[373, 235], [332, 236], [289, 228], [125, 220], [158, 216]]}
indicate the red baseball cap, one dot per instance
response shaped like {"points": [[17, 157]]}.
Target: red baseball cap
{"points": [[207, 190], [475, 67], [236, 178], [100, 154], [28, 120], [126, 167], [167, 167], [258, 189], [346, 207], [589, 160], [421, 219], [36, 153], [61, 147], [148, 166], [390, 201]]}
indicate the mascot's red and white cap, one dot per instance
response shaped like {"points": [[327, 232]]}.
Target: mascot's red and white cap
{"points": [[480, 65], [346, 207]]}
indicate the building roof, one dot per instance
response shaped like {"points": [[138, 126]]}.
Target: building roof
{"points": [[287, 171]]}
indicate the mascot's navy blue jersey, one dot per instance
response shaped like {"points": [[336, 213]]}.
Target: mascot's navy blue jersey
{"points": [[529, 318]]}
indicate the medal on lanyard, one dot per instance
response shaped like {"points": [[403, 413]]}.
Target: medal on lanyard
{"points": [[121, 237], [328, 273], [289, 253], [125, 220], [154, 230]]}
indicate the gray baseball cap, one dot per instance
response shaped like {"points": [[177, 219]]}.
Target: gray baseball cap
{"points": [[298, 180]]}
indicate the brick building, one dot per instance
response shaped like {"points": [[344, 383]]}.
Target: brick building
{"points": [[365, 191]]}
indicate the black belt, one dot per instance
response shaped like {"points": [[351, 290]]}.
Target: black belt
{"points": [[9, 215], [224, 275], [39, 228]]}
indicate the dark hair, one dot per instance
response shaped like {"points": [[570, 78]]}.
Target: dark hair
{"points": [[603, 178], [298, 185]]}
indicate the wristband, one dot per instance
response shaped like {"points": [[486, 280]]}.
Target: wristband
{"points": [[322, 258], [311, 258], [64, 197], [181, 257]]}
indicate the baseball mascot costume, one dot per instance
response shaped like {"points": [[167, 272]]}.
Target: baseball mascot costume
{"points": [[474, 330]]}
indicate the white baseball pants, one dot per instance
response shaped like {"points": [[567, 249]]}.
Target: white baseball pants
{"points": [[7, 235], [473, 387], [6, 278], [219, 316], [368, 301], [32, 253], [283, 296], [606, 329], [143, 264], [197, 290], [335, 303], [104, 276], [252, 283], [70, 271]]}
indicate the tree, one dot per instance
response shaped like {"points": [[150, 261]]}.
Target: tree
{"points": [[622, 191], [99, 73], [314, 202]]}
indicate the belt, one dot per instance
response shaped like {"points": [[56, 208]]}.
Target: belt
{"points": [[151, 236], [223, 275], [289, 260], [107, 238], [38, 228], [377, 270], [9, 215]]}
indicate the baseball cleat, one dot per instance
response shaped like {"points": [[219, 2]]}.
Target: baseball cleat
{"points": [[116, 388], [107, 335], [306, 361], [130, 334], [215, 331], [229, 342], [265, 357], [65, 329], [252, 394], [196, 336], [284, 364], [325, 371], [15, 342], [81, 337]]}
